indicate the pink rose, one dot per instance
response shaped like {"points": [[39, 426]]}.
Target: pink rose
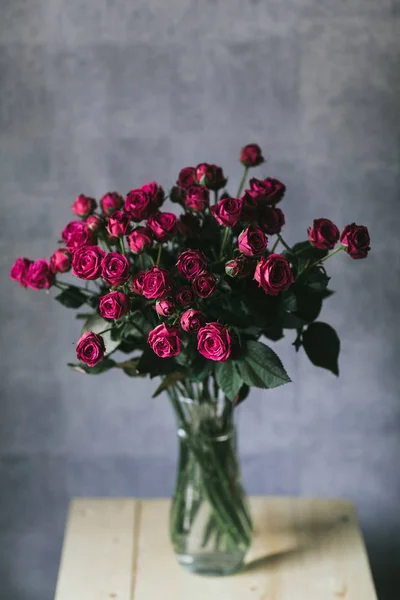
{"points": [[83, 205], [90, 348], [165, 307], [156, 283], [184, 296], [251, 155], [191, 263], [323, 234], [238, 267], [155, 192], [86, 262], [210, 175], [115, 268], [197, 197], [274, 274], [111, 202], [356, 239], [204, 285], [269, 190], [118, 224], [138, 205], [252, 241], [93, 222], [60, 261], [228, 211], [189, 226], [114, 305], [271, 220], [137, 282], [19, 270], [139, 239], [163, 225], [192, 320], [165, 341], [214, 342], [39, 275], [186, 177], [77, 234]]}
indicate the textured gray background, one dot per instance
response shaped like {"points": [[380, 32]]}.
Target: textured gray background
{"points": [[97, 95]]}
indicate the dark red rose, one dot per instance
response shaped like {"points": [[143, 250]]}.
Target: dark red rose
{"points": [[189, 226], [197, 197], [252, 241], [90, 348], [140, 239], [323, 234], [139, 205], [165, 341], [19, 270], [111, 202], [155, 192], [60, 261], [268, 191], [118, 224], [156, 283], [39, 275], [249, 207], [210, 175], [114, 305], [251, 155], [93, 222], [163, 225], [192, 320], [356, 239], [186, 177], [214, 342], [137, 282], [274, 274], [115, 268], [166, 307], [238, 267], [271, 219], [227, 212], [86, 262], [184, 296], [83, 205], [204, 284], [77, 234], [191, 263], [177, 195]]}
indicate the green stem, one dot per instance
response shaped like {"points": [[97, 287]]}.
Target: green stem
{"points": [[121, 244], [282, 241], [321, 260], [62, 285], [105, 331], [215, 196], [226, 233], [141, 261], [159, 254], [242, 181], [275, 245]]}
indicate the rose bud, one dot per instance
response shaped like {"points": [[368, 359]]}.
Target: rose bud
{"points": [[166, 307], [77, 234], [156, 194], [177, 195], [184, 296], [269, 190], [210, 175], [19, 270], [227, 212], [156, 283], [93, 222], [90, 348], [356, 239], [214, 342], [137, 282], [138, 205], [118, 224], [189, 226], [114, 305], [274, 274], [39, 276], [323, 234], [192, 320], [83, 205], [251, 155], [163, 225], [115, 268], [271, 220], [111, 202], [249, 207], [197, 197], [165, 341], [86, 262], [186, 177], [191, 263], [238, 267], [60, 261], [139, 239], [252, 241], [204, 284]]}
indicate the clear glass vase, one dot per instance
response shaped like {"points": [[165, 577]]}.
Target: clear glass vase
{"points": [[210, 525]]}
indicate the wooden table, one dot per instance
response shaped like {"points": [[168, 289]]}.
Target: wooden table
{"points": [[303, 549]]}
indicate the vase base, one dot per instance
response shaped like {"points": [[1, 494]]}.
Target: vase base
{"points": [[217, 563]]}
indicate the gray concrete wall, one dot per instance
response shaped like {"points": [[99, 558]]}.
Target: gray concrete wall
{"points": [[98, 95]]}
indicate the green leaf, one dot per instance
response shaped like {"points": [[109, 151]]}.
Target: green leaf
{"points": [[129, 367], [309, 303], [150, 363], [169, 380], [97, 324], [200, 369], [71, 298], [317, 279], [261, 367], [102, 367], [322, 346], [228, 378], [243, 393]]}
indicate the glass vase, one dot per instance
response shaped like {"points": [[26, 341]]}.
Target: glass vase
{"points": [[210, 525]]}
